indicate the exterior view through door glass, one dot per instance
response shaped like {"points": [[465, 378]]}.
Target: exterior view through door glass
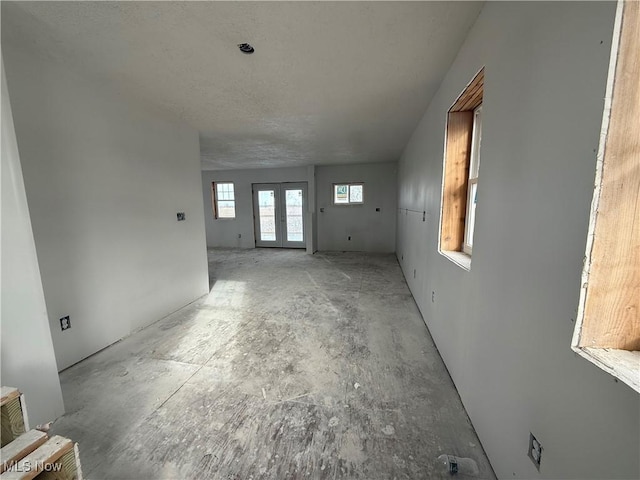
{"points": [[294, 211], [267, 215], [279, 211]]}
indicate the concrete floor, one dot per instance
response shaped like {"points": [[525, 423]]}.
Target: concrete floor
{"points": [[294, 366]]}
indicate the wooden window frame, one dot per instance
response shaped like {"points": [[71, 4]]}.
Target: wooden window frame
{"points": [[349, 185], [607, 331], [214, 198], [462, 152]]}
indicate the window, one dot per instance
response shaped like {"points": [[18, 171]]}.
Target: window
{"points": [[224, 200], [607, 331], [460, 173], [348, 193], [472, 183]]}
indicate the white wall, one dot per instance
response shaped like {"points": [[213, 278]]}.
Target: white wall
{"points": [[225, 232], [370, 231], [504, 328], [105, 179], [28, 361]]}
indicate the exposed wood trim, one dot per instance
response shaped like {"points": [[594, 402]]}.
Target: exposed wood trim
{"points": [[458, 140], [471, 96], [214, 203], [610, 316], [456, 173]]}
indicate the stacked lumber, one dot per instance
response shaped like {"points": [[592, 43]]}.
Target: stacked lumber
{"points": [[27, 454]]}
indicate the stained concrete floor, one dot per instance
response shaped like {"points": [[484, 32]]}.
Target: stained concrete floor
{"points": [[294, 366]]}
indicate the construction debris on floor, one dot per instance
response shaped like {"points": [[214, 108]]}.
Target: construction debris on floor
{"points": [[27, 454], [293, 367]]}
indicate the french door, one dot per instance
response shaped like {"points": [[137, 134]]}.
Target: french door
{"points": [[278, 212]]}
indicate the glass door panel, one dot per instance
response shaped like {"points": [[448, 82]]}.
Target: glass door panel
{"points": [[267, 214], [279, 214], [293, 207]]}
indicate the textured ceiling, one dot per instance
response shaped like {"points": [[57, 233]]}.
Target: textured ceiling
{"points": [[330, 82]]}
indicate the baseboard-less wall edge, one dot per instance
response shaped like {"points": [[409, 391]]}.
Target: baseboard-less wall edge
{"points": [[133, 332]]}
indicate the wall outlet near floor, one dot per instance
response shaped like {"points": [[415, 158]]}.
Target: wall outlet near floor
{"points": [[433, 296], [181, 216], [535, 450], [65, 323]]}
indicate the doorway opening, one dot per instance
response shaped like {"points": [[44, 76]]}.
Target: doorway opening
{"points": [[278, 212]]}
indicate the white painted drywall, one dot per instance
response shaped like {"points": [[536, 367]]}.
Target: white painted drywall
{"points": [[239, 232], [311, 224], [105, 178], [504, 328], [370, 231], [28, 359]]}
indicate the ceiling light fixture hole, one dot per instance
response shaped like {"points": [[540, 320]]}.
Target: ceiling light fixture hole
{"points": [[246, 48]]}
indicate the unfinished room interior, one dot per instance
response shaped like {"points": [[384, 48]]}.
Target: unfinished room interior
{"points": [[320, 240]]}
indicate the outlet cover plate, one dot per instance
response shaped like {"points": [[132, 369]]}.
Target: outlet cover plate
{"points": [[535, 451], [65, 323]]}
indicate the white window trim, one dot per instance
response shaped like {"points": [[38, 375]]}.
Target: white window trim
{"points": [[216, 209], [461, 259], [474, 166]]}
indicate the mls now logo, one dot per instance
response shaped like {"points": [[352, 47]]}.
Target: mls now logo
{"points": [[28, 466]]}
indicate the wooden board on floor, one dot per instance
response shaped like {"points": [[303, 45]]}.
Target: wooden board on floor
{"points": [[8, 393], [54, 460], [12, 423], [21, 447]]}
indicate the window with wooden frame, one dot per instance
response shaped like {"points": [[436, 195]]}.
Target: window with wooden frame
{"points": [[460, 173], [224, 200], [607, 329]]}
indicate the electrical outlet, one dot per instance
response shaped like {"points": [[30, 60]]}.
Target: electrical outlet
{"points": [[535, 450], [433, 296], [65, 323], [377, 209], [181, 216], [349, 238]]}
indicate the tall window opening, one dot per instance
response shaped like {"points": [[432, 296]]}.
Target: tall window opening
{"points": [[461, 172], [224, 200]]}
